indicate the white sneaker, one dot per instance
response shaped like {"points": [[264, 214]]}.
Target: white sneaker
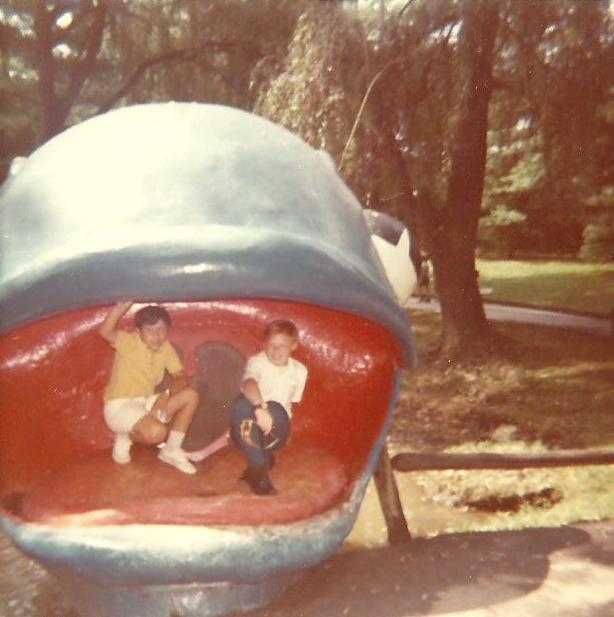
{"points": [[121, 449], [177, 458]]}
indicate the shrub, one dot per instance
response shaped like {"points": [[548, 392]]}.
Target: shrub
{"points": [[598, 239]]}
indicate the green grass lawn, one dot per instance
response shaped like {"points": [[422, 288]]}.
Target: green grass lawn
{"points": [[567, 285]]}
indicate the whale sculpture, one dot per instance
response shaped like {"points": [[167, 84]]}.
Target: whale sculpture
{"points": [[230, 221]]}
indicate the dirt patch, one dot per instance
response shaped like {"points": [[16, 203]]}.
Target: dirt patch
{"points": [[546, 498]]}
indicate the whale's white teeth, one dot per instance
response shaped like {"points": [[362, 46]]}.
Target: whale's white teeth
{"points": [[397, 265]]}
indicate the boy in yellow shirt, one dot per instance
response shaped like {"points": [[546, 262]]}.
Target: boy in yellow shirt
{"points": [[133, 409]]}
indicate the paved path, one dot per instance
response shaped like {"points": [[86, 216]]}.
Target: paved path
{"points": [[601, 326], [563, 572]]}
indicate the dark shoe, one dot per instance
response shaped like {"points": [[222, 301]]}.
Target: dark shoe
{"points": [[258, 480]]}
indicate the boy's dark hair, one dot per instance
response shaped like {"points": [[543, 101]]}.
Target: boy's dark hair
{"points": [[281, 326], [150, 315]]}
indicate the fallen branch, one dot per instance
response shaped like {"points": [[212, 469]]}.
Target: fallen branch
{"points": [[430, 461]]}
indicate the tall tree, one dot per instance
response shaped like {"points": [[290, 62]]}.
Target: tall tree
{"points": [[59, 28], [320, 81], [454, 227], [63, 61], [395, 85]]}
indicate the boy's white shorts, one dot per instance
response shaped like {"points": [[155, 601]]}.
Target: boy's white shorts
{"points": [[121, 414]]}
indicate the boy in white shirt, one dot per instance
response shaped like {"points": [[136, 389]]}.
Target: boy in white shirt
{"points": [[261, 416]]}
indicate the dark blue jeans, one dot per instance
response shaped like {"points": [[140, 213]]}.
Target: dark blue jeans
{"points": [[246, 434]]}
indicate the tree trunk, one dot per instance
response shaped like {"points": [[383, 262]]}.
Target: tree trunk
{"points": [[56, 105], [455, 234], [43, 24]]}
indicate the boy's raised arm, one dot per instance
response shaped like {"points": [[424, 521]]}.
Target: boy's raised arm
{"points": [[108, 330]]}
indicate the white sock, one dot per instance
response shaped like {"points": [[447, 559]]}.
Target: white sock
{"points": [[175, 439], [123, 438]]}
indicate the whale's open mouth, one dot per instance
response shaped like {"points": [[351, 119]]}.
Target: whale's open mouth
{"points": [[57, 447], [231, 222]]}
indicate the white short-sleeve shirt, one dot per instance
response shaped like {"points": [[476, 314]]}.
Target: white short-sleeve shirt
{"points": [[284, 384]]}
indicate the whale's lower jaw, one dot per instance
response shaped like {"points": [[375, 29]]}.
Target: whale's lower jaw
{"points": [[184, 570], [179, 554]]}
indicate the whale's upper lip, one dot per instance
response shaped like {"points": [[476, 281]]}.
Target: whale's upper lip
{"points": [[185, 201]]}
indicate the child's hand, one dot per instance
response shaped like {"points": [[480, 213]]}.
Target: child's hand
{"points": [[158, 409], [264, 420]]}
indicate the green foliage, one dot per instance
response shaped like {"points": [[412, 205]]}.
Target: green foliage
{"points": [[496, 230], [315, 95], [18, 125], [526, 175], [551, 137], [150, 50], [599, 239], [501, 216]]}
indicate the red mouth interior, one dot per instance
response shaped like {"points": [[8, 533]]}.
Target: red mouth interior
{"points": [[56, 446]]}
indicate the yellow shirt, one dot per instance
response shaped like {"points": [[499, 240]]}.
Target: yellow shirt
{"points": [[137, 370]]}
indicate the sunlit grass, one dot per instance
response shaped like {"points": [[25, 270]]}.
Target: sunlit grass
{"points": [[566, 285], [582, 493]]}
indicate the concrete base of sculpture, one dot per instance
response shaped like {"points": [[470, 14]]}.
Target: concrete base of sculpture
{"points": [[93, 599]]}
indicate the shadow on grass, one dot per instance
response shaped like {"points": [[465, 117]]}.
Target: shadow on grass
{"points": [[553, 385]]}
